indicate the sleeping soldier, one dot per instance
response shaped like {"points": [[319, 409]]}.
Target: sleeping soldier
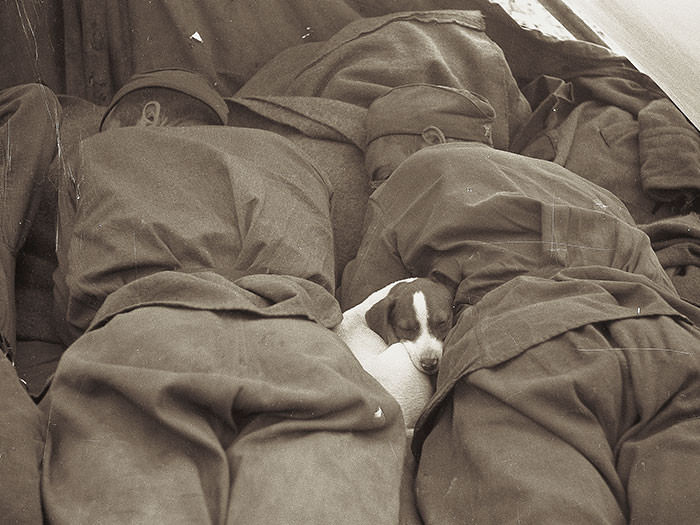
{"points": [[569, 389], [195, 279]]}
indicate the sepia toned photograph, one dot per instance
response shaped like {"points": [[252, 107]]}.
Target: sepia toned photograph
{"points": [[349, 262]]}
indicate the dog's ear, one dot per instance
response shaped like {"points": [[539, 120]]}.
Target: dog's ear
{"points": [[378, 318]]}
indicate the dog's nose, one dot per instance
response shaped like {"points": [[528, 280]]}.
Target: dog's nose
{"points": [[429, 364]]}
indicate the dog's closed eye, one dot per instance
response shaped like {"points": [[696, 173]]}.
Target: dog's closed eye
{"points": [[407, 324], [441, 325], [418, 314], [406, 329]]}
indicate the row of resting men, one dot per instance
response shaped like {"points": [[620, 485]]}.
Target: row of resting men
{"points": [[203, 382]]}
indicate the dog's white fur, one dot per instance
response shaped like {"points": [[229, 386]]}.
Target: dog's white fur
{"points": [[390, 365]]}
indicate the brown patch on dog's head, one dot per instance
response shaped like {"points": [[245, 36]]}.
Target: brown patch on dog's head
{"points": [[394, 316], [380, 316]]}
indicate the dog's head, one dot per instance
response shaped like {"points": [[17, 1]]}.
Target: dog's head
{"points": [[417, 313]]}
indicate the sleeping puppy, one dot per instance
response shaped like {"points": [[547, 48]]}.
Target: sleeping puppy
{"points": [[394, 365], [418, 313]]}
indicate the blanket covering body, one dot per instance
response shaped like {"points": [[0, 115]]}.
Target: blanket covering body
{"points": [[569, 332], [368, 57], [317, 94], [208, 306], [616, 131], [214, 198]]}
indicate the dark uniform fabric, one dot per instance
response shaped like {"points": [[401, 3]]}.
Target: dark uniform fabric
{"points": [[29, 120], [568, 388], [370, 56], [30, 117], [479, 217], [233, 200], [629, 138], [598, 424], [21, 446], [208, 387], [215, 402]]}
